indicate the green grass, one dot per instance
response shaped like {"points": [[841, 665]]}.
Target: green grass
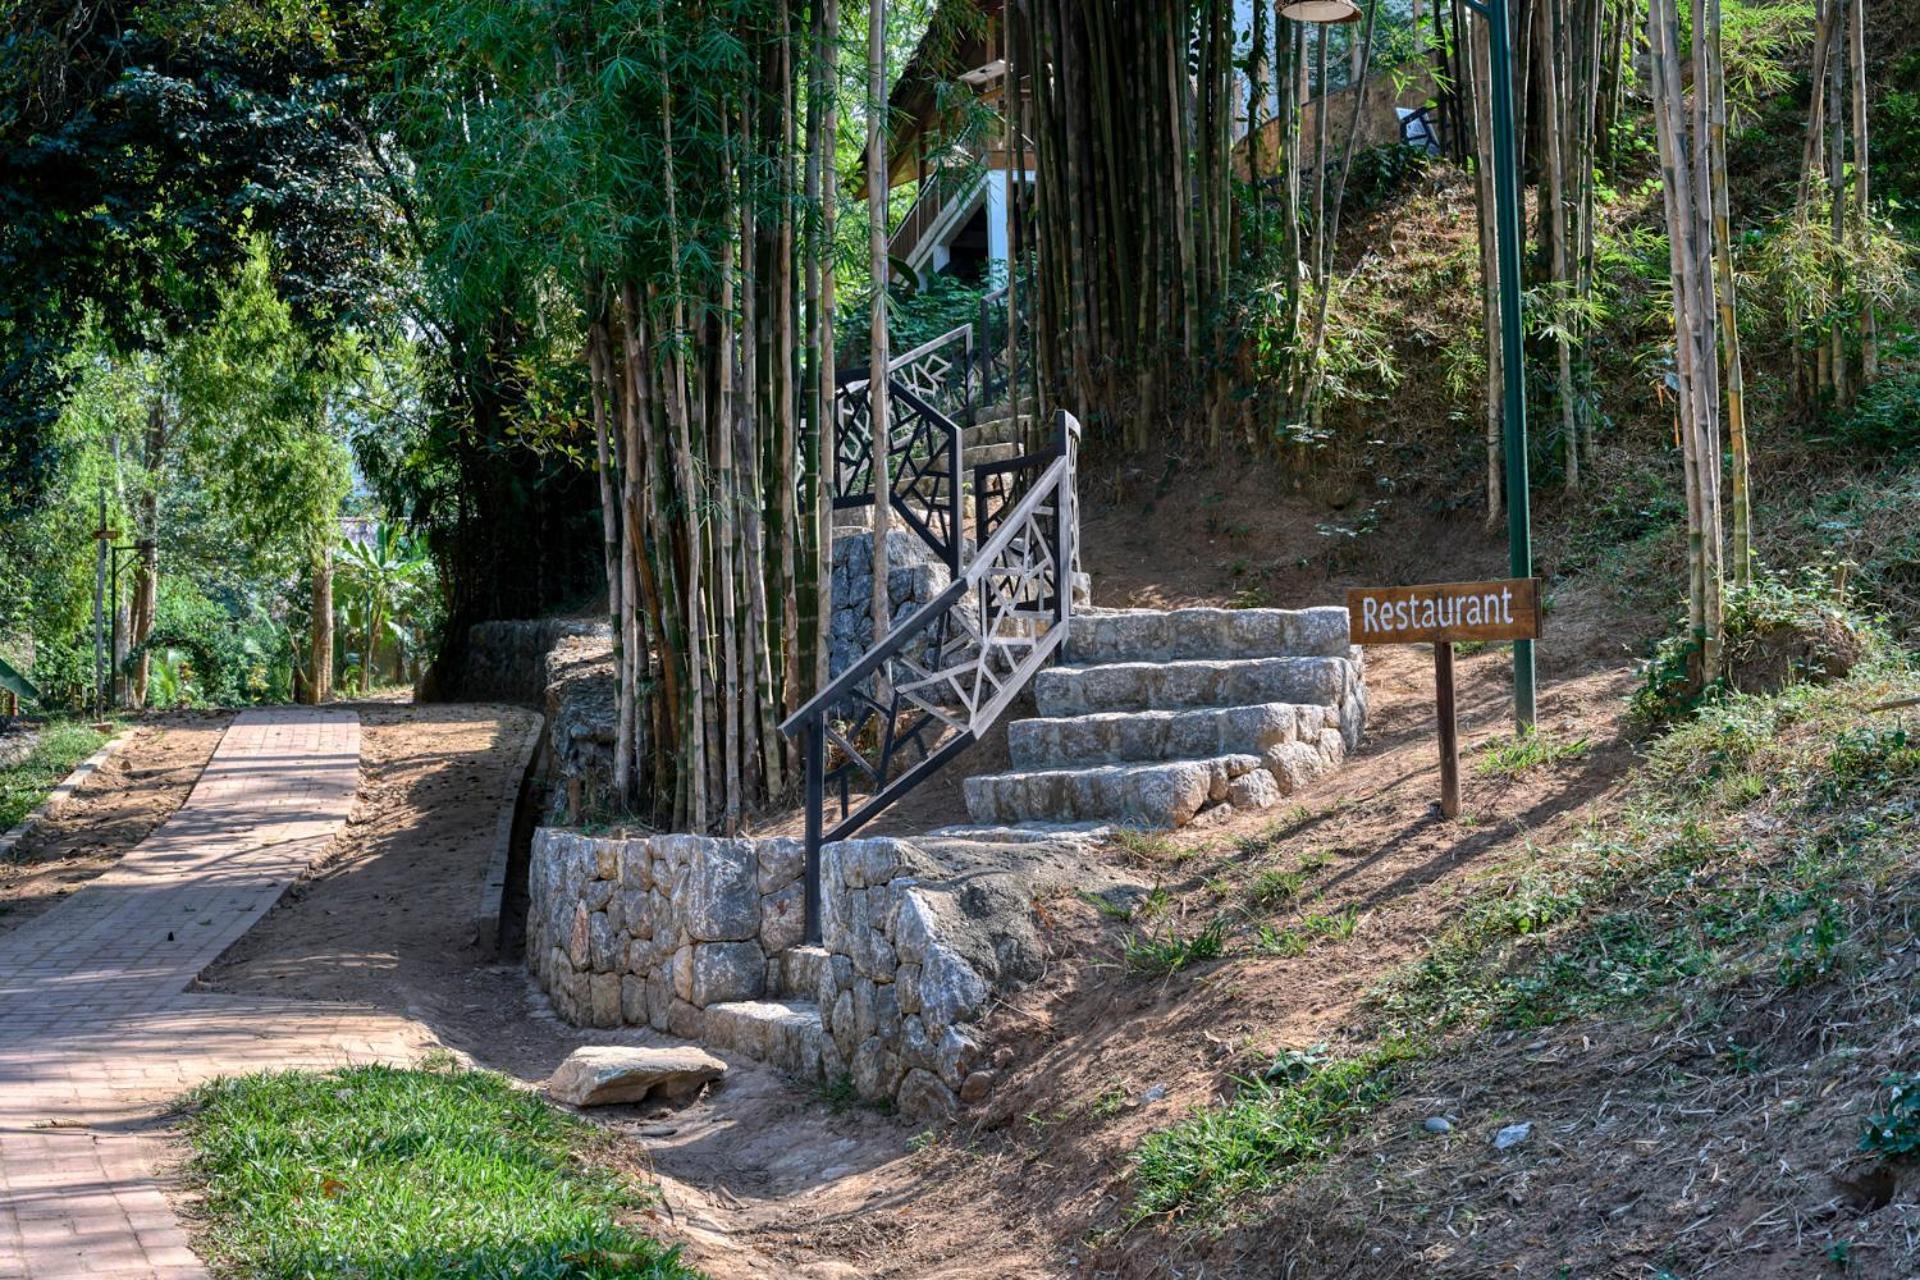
{"points": [[1511, 757], [380, 1173], [1276, 888], [60, 747], [1761, 847], [1265, 1135], [1313, 927], [1675, 890], [1169, 952]]}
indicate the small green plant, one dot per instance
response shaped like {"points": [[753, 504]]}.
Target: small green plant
{"points": [[1170, 953], [1275, 888], [1814, 951], [1111, 1102], [839, 1093], [1265, 1135], [1315, 862], [1152, 848], [1155, 905], [1895, 1131], [1511, 757], [1284, 943], [1340, 925], [1295, 1066], [1870, 760], [1109, 908]]}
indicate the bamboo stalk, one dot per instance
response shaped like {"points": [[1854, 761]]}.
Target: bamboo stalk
{"points": [[1725, 292]]}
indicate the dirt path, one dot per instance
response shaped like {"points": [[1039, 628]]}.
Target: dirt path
{"points": [[760, 1178], [99, 1031], [386, 916], [136, 790]]}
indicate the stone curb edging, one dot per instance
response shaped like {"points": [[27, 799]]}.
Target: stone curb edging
{"points": [[63, 791], [493, 891]]}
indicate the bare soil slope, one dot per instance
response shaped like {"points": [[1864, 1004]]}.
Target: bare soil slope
{"points": [[127, 797]]}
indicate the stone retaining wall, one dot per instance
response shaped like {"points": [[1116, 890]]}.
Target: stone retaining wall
{"points": [[699, 937], [914, 576]]}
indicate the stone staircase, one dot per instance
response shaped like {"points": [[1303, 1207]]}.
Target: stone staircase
{"points": [[1155, 718]]}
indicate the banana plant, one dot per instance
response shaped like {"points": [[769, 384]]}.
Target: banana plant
{"points": [[378, 574]]}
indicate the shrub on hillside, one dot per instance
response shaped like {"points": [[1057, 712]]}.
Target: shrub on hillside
{"points": [[1886, 418], [1779, 631]]}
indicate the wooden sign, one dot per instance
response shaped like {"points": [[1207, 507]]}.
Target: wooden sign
{"points": [[1445, 612], [1439, 614]]}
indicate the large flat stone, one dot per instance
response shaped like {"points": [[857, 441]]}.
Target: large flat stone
{"points": [[1153, 635], [1120, 737], [602, 1075], [786, 1034], [1153, 686]]}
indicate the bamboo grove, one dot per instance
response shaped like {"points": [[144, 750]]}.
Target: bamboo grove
{"points": [[1167, 317], [645, 152], [663, 180], [1208, 160]]}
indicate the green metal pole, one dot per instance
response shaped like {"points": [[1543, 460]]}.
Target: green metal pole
{"points": [[1506, 193]]}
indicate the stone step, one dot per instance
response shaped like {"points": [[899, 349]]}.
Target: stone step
{"points": [[1164, 794], [1002, 429], [1125, 737], [785, 1034], [999, 451], [1174, 685], [1153, 635]]}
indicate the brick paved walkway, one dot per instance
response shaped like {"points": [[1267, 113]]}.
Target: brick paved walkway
{"points": [[98, 1031]]}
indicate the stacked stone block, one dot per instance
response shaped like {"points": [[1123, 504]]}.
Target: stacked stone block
{"points": [[700, 938], [1155, 717]]}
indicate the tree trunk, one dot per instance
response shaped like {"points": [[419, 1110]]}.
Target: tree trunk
{"points": [[1862, 189], [1728, 303], [146, 569], [320, 654], [1480, 82]]}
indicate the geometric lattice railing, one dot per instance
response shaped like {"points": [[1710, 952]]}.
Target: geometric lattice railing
{"points": [[940, 679], [923, 463]]}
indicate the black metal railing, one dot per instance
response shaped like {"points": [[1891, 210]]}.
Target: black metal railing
{"points": [[945, 672], [923, 464]]}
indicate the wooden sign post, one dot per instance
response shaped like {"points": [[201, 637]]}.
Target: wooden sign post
{"points": [[1442, 614]]}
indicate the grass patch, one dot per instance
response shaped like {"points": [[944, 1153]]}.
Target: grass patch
{"points": [[1266, 1134], [409, 1174], [1149, 848], [1523, 753], [1276, 888], [1678, 889], [1169, 952], [1314, 927], [1764, 846], [60, 747]]}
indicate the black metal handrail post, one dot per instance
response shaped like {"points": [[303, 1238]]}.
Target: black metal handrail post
{"points": [[956, 529], [815, 748]]}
